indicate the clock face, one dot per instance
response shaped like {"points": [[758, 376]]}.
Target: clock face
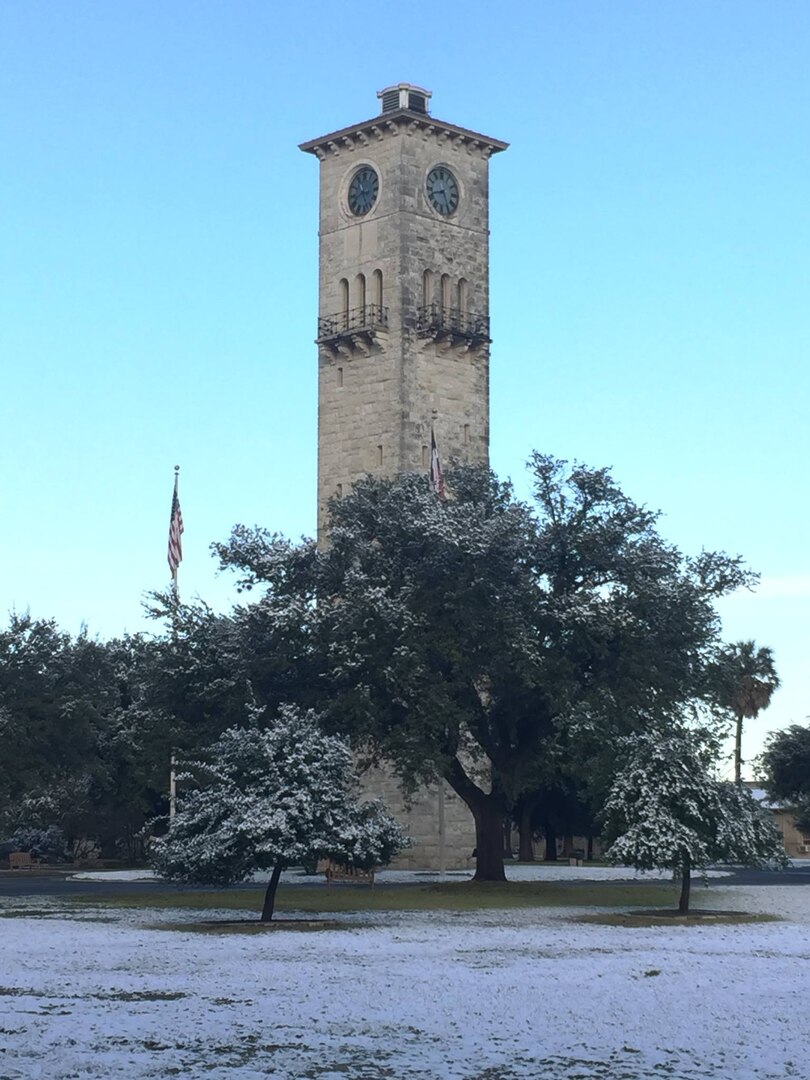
{"points": [[363, 190], [442, 190]]}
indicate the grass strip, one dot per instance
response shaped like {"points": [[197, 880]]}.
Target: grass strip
{"points": [[663, 917], [459, 896]]}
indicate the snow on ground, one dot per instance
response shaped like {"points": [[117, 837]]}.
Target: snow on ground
{"points": [[514, 995], [521, 872]]}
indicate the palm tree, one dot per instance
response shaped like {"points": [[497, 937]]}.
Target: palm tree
{"points": [[748, 681]]}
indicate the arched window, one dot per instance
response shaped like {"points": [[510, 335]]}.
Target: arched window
{"points": [[445, 291], [343, 288], [427, 288], [463, 296], [360, 297], [376, 290]]}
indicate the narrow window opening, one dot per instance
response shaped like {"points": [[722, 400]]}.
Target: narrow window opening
{"points": [[463, 295], [339, 490], [340, 376], [360, 296], [378, 290], [425, 457], [379, 455], [344, 302], [445, 291], [427, 288], [466, 433]]}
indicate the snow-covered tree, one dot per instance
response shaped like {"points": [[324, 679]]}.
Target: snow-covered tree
{"points": [[268, 799], [667, 811], [497, 643]]}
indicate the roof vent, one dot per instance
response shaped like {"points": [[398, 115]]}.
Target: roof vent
{"points": [[390, 101], [417, 102], [404, 96]]}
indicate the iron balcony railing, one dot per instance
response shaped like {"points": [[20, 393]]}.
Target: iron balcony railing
{"points": [[367, 317], [439, 318]]}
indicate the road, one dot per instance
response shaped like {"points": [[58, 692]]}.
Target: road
{"points": [[48, 883]]}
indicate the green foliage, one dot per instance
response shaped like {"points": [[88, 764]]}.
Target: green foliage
{"points": [[786, 770], [504, 645], [746, 680], [491, 641], [76, 736]]}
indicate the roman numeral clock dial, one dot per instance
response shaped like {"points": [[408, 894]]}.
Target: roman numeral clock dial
{"points": [[363, 189], [442, 190]]}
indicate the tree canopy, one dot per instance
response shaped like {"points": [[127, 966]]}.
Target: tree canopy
{"points": [[786, 770], [486, 639], [505, 645], [747, 680]]}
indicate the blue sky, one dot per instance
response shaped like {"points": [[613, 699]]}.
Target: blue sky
{"points": [[158, 259]]}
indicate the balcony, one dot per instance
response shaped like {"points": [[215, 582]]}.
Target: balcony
{"points": [[355, 330], [452, 326]]}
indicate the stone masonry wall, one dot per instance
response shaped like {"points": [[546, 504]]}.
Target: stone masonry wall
{"points": [[375, 411], [379, 394], [421, 819]]}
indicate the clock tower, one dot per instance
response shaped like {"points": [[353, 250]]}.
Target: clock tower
{"points": [[403, 315]]}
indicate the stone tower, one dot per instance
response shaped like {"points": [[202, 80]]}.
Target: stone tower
{"points": [[403, 342], [403, 326]]}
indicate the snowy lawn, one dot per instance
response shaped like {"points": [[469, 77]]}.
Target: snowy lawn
{"points": [[489, 995], [516, 872]]}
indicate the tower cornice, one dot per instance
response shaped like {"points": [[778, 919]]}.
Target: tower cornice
{"points": [[401, 122]]}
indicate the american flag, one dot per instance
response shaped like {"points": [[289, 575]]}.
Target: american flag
{"points": [[175, 555], [436, 474]]}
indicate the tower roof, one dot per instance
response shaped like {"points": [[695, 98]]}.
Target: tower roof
{"points": [[404, 107]]}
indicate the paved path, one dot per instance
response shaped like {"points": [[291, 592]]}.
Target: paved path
{"points": [[39, 883]]}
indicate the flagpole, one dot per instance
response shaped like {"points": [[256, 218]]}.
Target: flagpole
{"points": [[175, 555], [442, 832], [172, 788]]}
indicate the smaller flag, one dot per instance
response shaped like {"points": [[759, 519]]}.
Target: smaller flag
{"points": [[436, 474], [175, 554]]}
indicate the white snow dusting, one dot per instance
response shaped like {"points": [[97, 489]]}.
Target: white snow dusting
{"points": [[495, 995], [520, 872]]}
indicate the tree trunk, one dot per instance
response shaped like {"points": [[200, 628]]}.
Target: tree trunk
{"points": [[270, 895], [488, 817], [488, 811], [525, 846], [738, 748], [551, 842], [686, 883], [589, 855]]}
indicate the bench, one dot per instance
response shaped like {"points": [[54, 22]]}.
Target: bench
{"points": [[21, 860], [349, 875]]}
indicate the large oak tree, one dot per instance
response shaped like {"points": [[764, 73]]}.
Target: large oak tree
{"points": [[489, 640]]}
